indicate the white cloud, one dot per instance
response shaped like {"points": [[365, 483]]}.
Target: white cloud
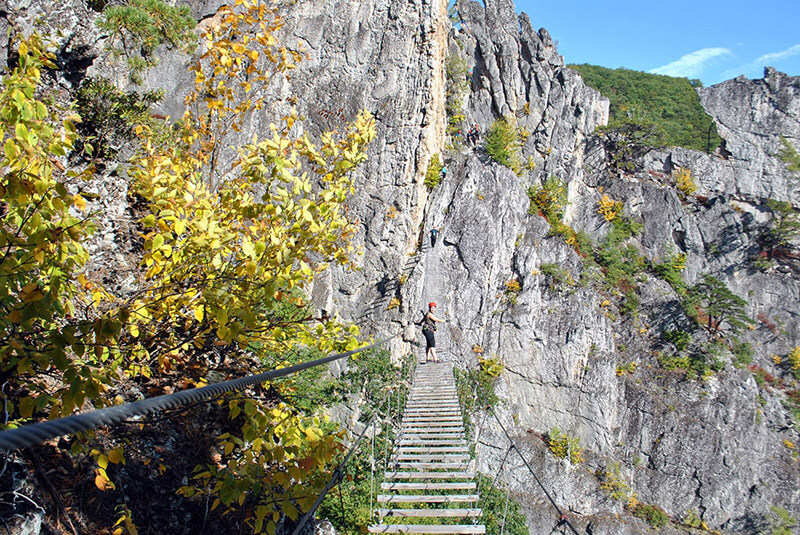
{"points": [[754, 68], [777, 56], [692, 64]]}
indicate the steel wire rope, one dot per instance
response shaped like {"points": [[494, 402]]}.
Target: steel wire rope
{"points": [[338, 473], [37, 433], [505, 512], [562, 518], [387, 423], [372, 471]]}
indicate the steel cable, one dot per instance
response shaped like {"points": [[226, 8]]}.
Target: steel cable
{"points": [[37, 433], [562, 517]]}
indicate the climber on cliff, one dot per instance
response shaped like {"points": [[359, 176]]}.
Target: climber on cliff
{"points": [[443, 172], [434, 234], [474, 134], [428, 328]]}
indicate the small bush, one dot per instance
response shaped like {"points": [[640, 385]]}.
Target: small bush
{"points": [[491, 366], [621, 230], [495, 516], [630, 303], [693, 520], [789, 155], [674, 362], [623, 369], [782, 521], [680, 339], [456, 89], [670, 270], [794, 361], [684, 181], [503, 143], [564, 446], [138, 27], [742, 353], [549, 199], [612, 483], [609, 208], [558, 277], [110, 116], [513, 286], [475, 389], [653, 514], [433, 176]]}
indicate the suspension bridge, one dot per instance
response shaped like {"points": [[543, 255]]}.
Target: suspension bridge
{"points": [[428, 484]]}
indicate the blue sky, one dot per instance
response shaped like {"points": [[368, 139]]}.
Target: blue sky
{"points": [[707, 39]]}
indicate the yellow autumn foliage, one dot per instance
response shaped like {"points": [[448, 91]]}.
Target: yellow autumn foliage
{"points": [[231, 236]]}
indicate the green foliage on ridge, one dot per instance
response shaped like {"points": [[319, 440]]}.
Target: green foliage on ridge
{"points": [[138, 27], [669, 103]]}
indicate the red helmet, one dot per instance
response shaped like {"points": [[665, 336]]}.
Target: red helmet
{"points": [[431, 304]]}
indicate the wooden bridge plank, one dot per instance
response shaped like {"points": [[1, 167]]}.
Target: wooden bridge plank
{"points": [[427, 529], [430, 513], [466, 485], [426, 498]]}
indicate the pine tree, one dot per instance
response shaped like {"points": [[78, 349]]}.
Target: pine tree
{"points": [[719, 304]]}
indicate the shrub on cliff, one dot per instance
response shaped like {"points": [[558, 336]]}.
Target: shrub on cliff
{"points": [[503, 143], [138, 27], [456, 89], [433, 175], [712, 303], [223, 264]]}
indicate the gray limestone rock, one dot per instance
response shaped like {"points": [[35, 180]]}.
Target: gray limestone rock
{"points": [[714, 446]]}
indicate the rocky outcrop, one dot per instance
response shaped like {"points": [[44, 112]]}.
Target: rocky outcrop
{"points": [[713, 446], [676, 440], [752, 116], [517, 71]]}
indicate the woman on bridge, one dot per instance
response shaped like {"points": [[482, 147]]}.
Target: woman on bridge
{"points": [[428, 328]]}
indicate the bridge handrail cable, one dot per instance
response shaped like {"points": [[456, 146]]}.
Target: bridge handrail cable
{"points": [[33, 434]]}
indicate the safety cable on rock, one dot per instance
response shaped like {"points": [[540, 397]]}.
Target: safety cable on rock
{"points": [[33, 434]]}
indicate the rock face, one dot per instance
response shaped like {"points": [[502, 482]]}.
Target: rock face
{"points": [[752, 116], [718, 447]]}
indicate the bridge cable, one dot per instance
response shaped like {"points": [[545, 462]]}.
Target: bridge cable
{"points": [[563, 520], [505, 512], [338, 474], [37, 433], [372, 469]]}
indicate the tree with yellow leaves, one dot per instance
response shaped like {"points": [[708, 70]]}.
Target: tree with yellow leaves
{"points": [[226, 255]]}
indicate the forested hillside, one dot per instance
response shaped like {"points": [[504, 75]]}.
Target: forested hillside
{"points": [[667, 103]]}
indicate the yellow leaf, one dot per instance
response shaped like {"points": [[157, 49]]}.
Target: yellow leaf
{"points": [[199, 313], [101, 481], [115, 455], [79, 202]]}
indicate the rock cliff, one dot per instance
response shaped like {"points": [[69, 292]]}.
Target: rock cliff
{"points": [[717, 446]]}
